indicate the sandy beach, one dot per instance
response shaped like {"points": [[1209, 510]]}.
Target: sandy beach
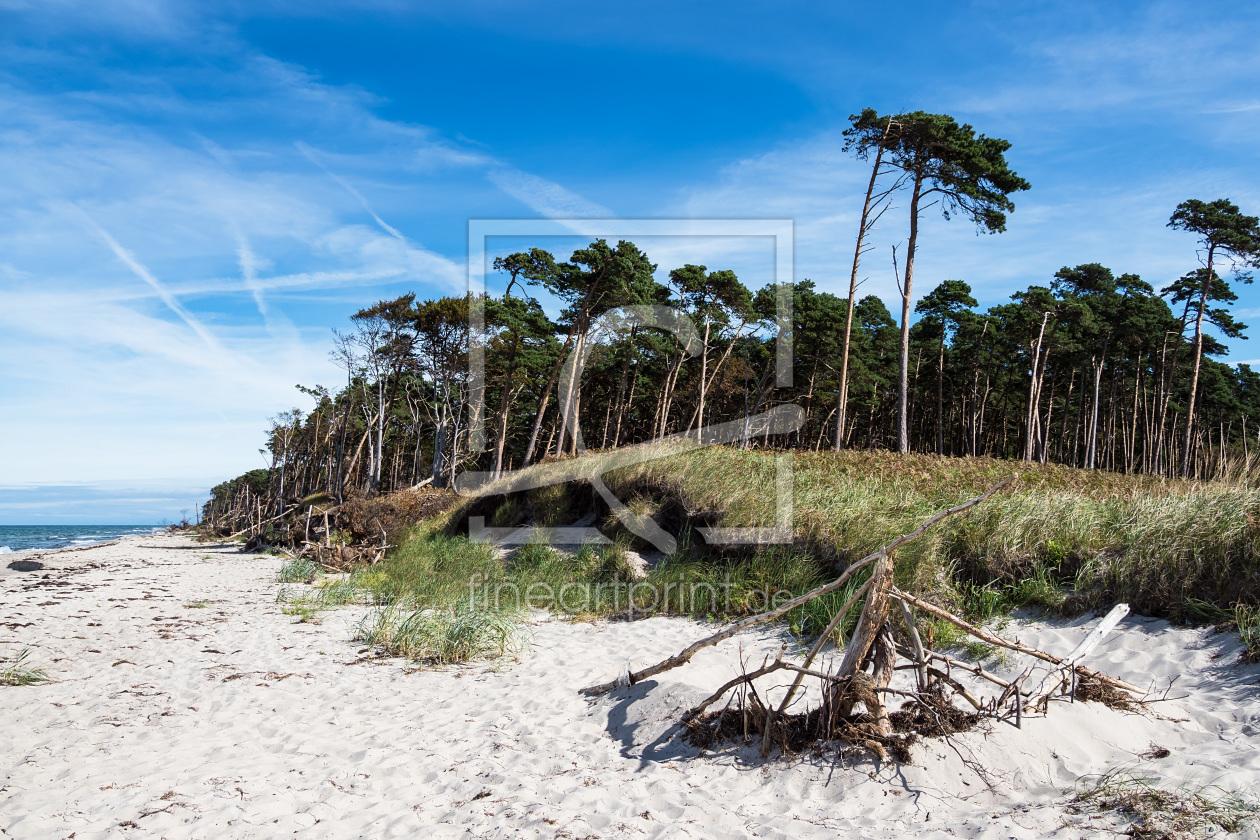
{"points": [[186, 704]]}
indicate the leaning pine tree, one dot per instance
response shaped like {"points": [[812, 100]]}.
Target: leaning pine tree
{"points": [[966, 173], [1224, 233]]}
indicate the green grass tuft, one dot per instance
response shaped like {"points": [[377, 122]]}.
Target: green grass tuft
{"points": [[462, 633], [16, 670], [1247, 621], [297, 571], [306, 614]]}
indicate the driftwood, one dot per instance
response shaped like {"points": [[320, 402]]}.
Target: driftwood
{"points": [[992, 639], [1056, 678], [343, 557], [868, 664], [259, 525], [969, 667], [683, 657], [958, 687], [920, 658], [778, 665]]}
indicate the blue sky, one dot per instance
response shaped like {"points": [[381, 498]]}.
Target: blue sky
{"points": [[193, 194]]}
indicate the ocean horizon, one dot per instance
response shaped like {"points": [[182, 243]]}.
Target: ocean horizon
{"points": [[15, 538]]}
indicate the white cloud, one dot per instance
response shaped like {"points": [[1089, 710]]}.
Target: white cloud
{"points": [[546, 198], [167, 280]]}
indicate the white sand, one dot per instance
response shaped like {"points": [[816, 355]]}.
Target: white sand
{"points": [[232, 721]]}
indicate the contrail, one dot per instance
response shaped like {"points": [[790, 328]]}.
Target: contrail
{"points": [[248, 262], [144, 274], [546, 198], [310, 155]]}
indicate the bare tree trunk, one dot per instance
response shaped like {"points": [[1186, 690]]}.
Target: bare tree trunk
{"points": [[974, 430], [1091, 441], [903, 373], [864, 224], [629, 404], [704, 374], [1033, 395], [546, 397], [940, 396], [1198, 359], [568, 411]]}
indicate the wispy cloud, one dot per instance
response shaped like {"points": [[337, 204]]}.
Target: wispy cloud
{"points": [[129, 259], [310, 155], [546, 198]]}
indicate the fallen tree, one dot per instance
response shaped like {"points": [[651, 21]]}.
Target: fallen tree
{"points": [[871, 657]]}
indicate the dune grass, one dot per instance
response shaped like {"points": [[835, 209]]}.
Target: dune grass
{"points": [[1059, 540], [297, 571], [1160, 813], [1247, 623], [442, 636], [434, 576], [16, 670]]}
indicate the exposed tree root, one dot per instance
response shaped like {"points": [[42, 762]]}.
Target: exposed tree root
{"points": [[862, 679]]}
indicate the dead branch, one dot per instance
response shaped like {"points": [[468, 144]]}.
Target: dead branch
{"points": [[698, 709], [990, 638], [684, 657], [822, 639], [259, 525], [972, 668], [958, 687], [920, 659]]}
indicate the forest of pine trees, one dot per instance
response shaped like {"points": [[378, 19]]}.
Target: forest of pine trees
{"points": [[1094, 369]]}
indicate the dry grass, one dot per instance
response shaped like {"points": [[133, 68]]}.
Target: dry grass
{"points": [[1157, 813], [1060, 538], [1247, 624]]}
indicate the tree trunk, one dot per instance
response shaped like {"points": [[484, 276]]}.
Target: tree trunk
{"points": [[1198, 360], [546, 397], [903, 373], [704, 374], [940, 396], [1030, 419], [1091, 439], [842, 397], [569, 410]]}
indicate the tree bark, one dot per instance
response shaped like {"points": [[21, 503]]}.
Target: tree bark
{"points": [[546, 398], [1198, 360], [842, 398], [903, 373]]}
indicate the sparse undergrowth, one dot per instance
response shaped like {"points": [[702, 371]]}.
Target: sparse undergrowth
{"points": [[16, 670], [1157, 813]]}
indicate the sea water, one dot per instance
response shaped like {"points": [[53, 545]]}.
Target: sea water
{"points": [[34, 537]]}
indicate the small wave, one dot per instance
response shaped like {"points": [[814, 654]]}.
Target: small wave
{"points": [[4, 549]]}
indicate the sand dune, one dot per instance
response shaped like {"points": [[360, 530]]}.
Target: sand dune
{"points": [[171, 719]]}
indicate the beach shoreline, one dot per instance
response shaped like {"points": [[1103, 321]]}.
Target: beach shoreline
{"points": [[187, 704]]}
